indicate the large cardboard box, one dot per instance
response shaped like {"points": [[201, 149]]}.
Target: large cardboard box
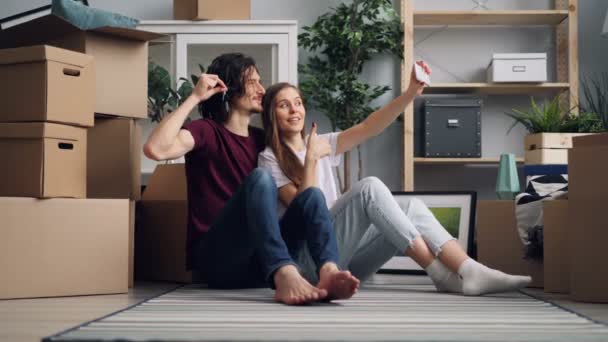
{"points": [[587, 196], [121, 59], [62, 247], [498, 243], [162, 221], [114, 159], [210, 9], [556, 259], [45, 83], [43, 160]]}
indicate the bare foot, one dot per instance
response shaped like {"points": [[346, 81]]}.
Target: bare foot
{"points": [[293, 289], [339, 284]]}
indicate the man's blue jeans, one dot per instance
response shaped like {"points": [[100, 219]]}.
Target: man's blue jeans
{"points": [[246, 243]]}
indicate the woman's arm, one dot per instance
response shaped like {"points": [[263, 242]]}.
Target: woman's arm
{"points": [[379, 120], [168, 140], [316, 148]]}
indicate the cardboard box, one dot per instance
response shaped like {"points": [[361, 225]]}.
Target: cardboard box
{"points": [[44, 83], [498, 243], [43, 160], [546, 156], [62, 247], [588, 195], [162, 224], [114, 159], [211, 10], [556, 259], [591, 140], [550, 140], [131, 244], [121, 59]]}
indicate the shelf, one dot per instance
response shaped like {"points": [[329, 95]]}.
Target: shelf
{"points": [[421, 160], [536, 17], [496, 88], [562, 18]]}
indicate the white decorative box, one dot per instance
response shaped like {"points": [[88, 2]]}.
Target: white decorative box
{"points": [[518, 67]]}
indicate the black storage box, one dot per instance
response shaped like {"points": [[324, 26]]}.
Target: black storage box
{"points": [[452, 128]]}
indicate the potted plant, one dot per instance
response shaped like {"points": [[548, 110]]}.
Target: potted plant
{"points": [[551, 129], [341, 42], [162, 98]]}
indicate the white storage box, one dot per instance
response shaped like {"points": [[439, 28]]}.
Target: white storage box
{"points": [[518, 67]]}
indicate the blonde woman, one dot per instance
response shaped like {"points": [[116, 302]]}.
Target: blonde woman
{"points": [[370, 226]]}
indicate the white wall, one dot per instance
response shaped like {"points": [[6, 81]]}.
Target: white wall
{"points": [[454, 54]]}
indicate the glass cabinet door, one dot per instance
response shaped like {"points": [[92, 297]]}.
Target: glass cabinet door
{"points": [[269, 52]]}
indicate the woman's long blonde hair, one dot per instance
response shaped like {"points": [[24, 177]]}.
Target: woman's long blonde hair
{"points": [[288, 161]]}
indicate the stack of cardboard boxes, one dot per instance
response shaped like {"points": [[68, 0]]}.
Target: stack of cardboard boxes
{"points": [[575, 230], [499, 244], [71, 142]]}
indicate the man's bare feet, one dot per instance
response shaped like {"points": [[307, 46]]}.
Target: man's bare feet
{"points": [[293, 289], [339, 284]]}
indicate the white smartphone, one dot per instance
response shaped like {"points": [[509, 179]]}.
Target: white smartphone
{"points": [[421, 75]]}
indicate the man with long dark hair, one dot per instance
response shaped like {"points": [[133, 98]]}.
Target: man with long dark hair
{"points": [[235, 238]]}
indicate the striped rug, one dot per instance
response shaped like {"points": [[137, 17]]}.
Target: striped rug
{"points": [[384, 312]]}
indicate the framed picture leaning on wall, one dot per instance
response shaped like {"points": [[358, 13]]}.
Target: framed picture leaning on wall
{"points": [[455, 210]]}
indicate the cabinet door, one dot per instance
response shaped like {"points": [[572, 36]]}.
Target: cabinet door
{"points": [[270, 52]]}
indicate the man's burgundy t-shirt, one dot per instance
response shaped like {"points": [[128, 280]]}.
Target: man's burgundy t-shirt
{"points": [[216, 166]]}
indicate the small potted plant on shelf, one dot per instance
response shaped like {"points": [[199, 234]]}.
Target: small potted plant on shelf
{"points": [[551, 129]]}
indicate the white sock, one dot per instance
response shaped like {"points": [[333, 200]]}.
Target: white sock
{"points": [[444, 279], [478, 279]]}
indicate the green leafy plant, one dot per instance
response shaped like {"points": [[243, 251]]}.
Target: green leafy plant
{"points": [[548, 117], [159, 83], [341, 42], [583, 122], [595, 97], [162, 98], [551, 117]]}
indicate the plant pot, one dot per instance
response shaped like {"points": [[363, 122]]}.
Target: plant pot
{"points": [[548, 148], [537, 141]]}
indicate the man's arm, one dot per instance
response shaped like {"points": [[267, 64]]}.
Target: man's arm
{"points": [[168, 140]]}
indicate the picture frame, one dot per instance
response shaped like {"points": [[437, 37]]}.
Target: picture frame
{"points": [[455, 210]]}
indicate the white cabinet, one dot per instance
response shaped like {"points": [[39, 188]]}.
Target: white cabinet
{"points": [[273, 43], [188, 44]]}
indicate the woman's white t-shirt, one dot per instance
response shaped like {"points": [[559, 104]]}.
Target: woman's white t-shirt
{"points": [[325, 175]]}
